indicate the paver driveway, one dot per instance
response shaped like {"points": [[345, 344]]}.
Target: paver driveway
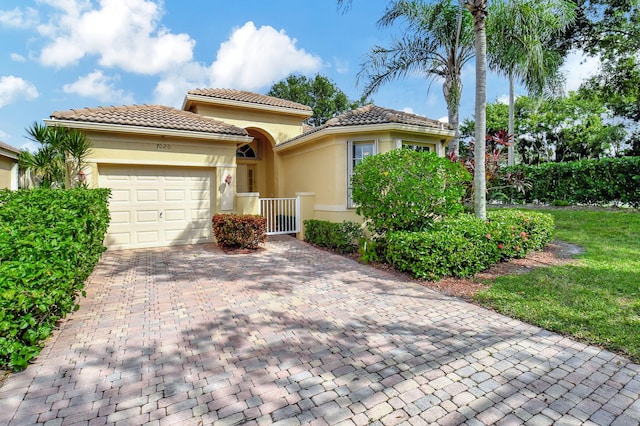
{"points": [[293, 335]]}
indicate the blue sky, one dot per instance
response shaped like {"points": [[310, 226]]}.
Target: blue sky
{"points": [[69, 54]]}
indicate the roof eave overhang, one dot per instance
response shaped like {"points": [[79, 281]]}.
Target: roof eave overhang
{"points": [[446, 134], [190, 99], [8, 154], [147, 131]]}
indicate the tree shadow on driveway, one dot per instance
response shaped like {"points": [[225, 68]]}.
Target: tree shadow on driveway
{"points": [[192, 336]]}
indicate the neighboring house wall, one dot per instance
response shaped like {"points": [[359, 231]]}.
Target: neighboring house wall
{"points": [[8, 167]]}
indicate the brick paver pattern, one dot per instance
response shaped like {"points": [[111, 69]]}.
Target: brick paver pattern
{"points": [[293, 335]]}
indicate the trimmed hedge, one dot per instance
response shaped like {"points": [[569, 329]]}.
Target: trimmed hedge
{"points": [[342, 237], [50, 241], [463, 245], [233, 231], [594, 182]]}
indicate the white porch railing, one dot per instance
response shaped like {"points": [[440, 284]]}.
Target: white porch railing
{"points": [[282, 214]]}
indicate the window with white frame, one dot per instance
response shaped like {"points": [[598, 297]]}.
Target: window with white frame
{"points": [[356, 152]]}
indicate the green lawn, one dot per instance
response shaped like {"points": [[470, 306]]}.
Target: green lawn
{"points": [[596, 300]]}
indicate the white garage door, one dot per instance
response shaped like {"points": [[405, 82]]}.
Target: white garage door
{"points": [[157, 206]]}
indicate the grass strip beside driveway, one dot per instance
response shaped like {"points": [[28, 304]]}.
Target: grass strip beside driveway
{"points": [[596, 300]]}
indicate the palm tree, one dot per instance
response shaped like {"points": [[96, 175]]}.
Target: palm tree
{"points": [[478, 9], [61, 158], [438, 42], [46, 166], [520, 45]]}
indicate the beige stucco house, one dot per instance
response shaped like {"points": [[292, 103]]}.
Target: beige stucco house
{"points": [[8, 167], [170, 170]]}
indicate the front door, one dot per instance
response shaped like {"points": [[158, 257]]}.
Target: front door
{"points": [[246, 178]]}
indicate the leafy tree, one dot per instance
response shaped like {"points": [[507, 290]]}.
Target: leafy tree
{"points": [[437, 41], [497, 119], [609, 28], [568, 128], [520, 45], [60, 160], [320, 93], [618, 86]]}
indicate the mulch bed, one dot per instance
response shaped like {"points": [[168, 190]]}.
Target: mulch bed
{"points": [[556, 253]]}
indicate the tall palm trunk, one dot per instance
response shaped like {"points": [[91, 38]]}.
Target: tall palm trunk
{"points": [[452, 90], [478, 9], [512, 107]]}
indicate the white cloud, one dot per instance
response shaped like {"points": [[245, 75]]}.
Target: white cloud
{"points": [[172, 88], [30, 146], [3, 135], [99, 86], [503, 99], [253, 58], [444, 119], [342, 66], [15, 88], [16, 57], [408, 110], [18, 18], [578, 68], [123, 33], [433, 99]]}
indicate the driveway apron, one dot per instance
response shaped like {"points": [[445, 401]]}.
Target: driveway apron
{"points": [[294, 335]]}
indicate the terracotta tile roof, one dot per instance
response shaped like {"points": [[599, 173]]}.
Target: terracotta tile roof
{"points": [[9, 148], [152, 116], [249, 97], [372, 114]]}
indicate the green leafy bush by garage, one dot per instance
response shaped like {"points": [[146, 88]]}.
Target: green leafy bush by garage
{"points": [[406, 190], [464, 245], [50, 241], [341, 237], [234, 231], [593, 181]]}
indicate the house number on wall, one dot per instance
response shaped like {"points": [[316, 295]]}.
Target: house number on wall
{"points": [[163, 146]]}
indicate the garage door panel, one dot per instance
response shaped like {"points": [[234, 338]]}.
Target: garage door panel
{"points": [[117, 239], [175, 215], [199, 195], [157, 206], [174, 195], [120, 218], [120, 195], [147, 195], [199, 214], [146, 237], [147, 216]]}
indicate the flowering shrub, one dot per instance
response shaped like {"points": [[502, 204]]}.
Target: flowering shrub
{"points": [[234, 231], [50, 241], [464, 245]]}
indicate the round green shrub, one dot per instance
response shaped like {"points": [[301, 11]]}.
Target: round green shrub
{"points": [[405, 190]]}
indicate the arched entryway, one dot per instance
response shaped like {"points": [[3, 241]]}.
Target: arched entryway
{"points": [[255, 161]]}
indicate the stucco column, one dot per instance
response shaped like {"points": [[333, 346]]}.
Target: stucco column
{"points": [[248, 203], [307, 209]]}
